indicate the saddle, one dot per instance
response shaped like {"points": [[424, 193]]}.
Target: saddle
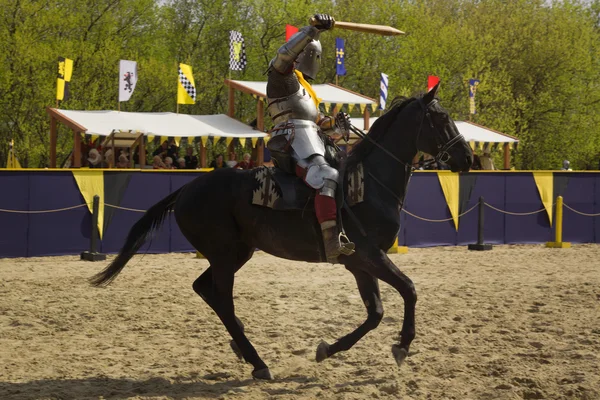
{"points": [[280, 189]]}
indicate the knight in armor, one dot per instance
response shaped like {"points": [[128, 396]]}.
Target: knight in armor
{"points": [[296, 142]]}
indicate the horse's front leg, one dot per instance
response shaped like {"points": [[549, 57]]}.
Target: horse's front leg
{"points": [[381, 267], [369, 292]]}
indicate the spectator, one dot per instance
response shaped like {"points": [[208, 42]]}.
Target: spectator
{"points": [[486, 161], [157, 163], [191, 161], [161, 151], [109, 160], [181, 163], [94, 159], [247, 163], [232, 161], [173, 150], [218, 162], [566, 165], [169, 163], [123, 161]]}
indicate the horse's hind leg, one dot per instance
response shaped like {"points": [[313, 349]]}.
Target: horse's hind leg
{"points": [[203, 286], [215, 286], [369, 292], [223, 278]]}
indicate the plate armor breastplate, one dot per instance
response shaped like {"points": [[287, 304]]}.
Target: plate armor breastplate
{"points": [[297, 112], [299, 105]]}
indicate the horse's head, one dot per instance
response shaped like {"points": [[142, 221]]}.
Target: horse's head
{"points": [[439, 136]]}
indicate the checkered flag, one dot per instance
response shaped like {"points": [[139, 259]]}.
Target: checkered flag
{"points": [[237, 51], [186, 93]]}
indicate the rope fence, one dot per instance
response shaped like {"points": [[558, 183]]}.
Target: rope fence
{"points": [[403, 210], [580, 212], [515, 213], [439, 220]]}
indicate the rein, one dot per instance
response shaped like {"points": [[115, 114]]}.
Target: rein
{"points": [[442, 154]]}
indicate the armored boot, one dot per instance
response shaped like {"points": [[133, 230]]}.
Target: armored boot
{"points": [[336, 242]]}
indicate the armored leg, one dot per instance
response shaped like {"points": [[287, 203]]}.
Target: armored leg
{"points": [[324, 178]]}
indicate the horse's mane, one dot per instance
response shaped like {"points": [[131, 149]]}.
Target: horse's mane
{"points": [[379, 128]]}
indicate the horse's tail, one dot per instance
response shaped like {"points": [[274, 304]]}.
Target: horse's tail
{"points": [[152, 220]]}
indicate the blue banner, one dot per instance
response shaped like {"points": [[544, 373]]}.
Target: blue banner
{"points": [[340, 57]]}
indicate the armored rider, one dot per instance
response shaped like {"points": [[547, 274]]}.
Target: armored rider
{"points": [[293, 107]]}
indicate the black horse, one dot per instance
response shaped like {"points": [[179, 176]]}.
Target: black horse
{"points": [[215, 214]]}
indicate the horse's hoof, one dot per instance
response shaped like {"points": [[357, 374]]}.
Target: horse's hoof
{"points": [[399, 353], [236, 349], [263, 374], [322, 351]]}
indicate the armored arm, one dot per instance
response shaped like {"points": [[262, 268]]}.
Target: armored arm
{"points": [[290, 50], [335, 126]]}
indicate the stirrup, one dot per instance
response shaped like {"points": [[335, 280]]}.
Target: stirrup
{"points": [[346, 246]]}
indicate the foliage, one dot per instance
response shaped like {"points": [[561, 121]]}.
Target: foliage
{"points": [[538, 62]]}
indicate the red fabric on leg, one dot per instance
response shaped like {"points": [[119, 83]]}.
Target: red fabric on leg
{"points": [[300, 172], [325, 208]]}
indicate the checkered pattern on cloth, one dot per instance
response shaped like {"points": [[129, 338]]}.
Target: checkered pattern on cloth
{"points": [[187, 85], [237, 51]]}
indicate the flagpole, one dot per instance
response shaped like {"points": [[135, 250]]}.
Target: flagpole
{"points": [[336, 80]]}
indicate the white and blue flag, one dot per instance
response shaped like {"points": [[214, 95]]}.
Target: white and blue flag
{"points": [[383, 91]]}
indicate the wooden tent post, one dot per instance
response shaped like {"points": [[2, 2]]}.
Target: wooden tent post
{"points": [[260, 153], [53, 136], [203, 161], [142, 152], [506, 156], [76, 149], [260, 125]]}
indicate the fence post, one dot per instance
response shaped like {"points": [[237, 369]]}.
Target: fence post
{"points": [[480, 223], [558, 243], [93, 255]]}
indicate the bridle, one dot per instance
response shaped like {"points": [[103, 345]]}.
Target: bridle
{"points": [[442, 155]]}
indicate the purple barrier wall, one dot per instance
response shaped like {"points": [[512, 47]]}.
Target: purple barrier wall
{"points": [[68, 231]]}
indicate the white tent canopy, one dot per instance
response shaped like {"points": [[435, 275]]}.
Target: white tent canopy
{"points": [[472, 132], [103, 123], [328, 93]]}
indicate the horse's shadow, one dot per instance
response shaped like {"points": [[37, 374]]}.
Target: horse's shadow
{"points": [[115, 388]]}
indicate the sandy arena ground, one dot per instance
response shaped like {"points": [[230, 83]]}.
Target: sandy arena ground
{"points": [[519, 322]]}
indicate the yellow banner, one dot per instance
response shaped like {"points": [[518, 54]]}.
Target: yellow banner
{"points": [[545, 185], [91, 183], [187, 94], [228, 141], [449, 181], [216, 139], [60, 89], [254, 141], [363, 107], [204, 140]]}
